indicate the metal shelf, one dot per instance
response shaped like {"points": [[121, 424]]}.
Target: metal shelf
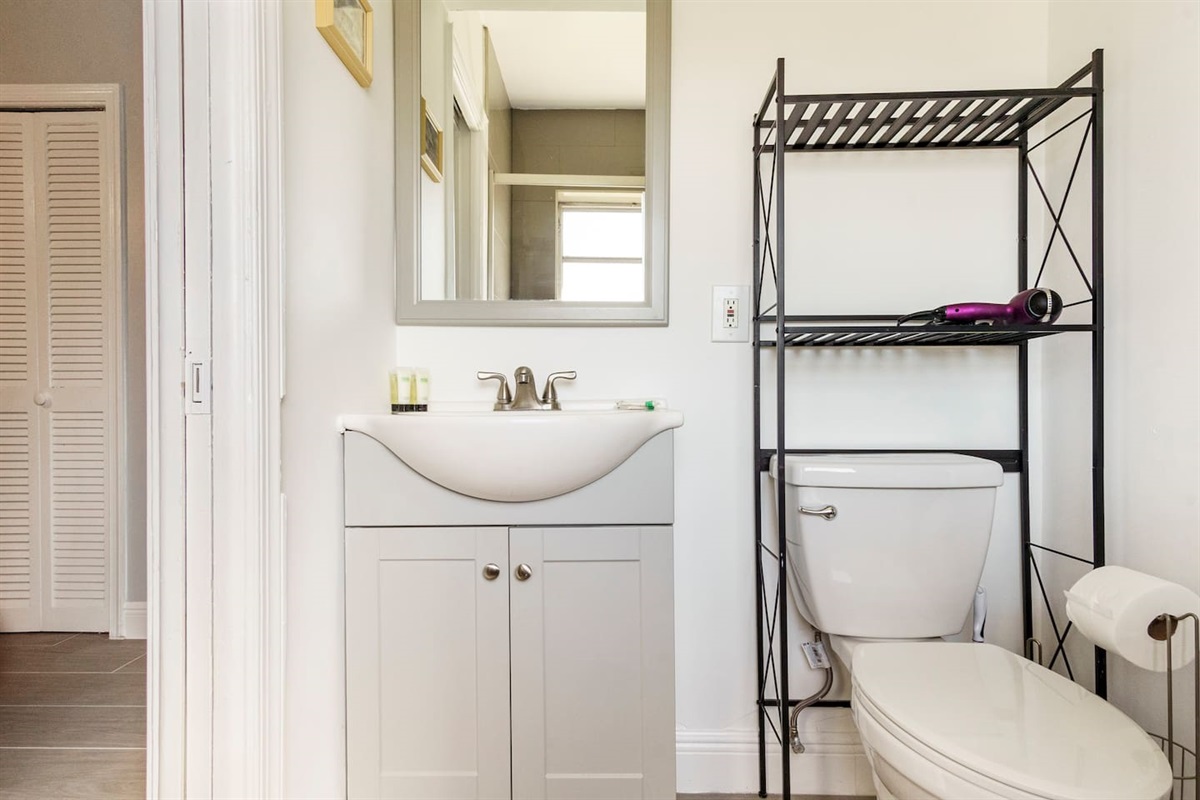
{"points": [[916, 336], [915, 120], [941, 120]]}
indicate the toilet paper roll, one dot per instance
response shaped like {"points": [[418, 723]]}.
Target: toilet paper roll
{"points": [[1114, 606]]}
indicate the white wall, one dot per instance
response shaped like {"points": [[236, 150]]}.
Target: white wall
{"points": [[340, 332], [1152, 263], [722, 59], [339, 338]]}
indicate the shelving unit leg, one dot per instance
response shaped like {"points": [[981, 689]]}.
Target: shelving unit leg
{"points": [[1098, 554], [780, 432], [756, 433], [1023, 390]]}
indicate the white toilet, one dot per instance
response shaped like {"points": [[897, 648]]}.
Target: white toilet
{"points": [[885, 554]]}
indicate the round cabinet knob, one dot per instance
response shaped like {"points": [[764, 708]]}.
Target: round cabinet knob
{"points": [[43, 399], [523, 572], [491, 572]]}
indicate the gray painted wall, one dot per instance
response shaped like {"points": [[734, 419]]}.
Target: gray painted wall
{"points": [[562, 143]]}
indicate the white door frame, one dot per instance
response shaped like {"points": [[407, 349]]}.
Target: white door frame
{"points": [[216, 578], [105, 98], [166, 697]]}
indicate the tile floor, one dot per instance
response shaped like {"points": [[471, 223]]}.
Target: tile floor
{"points": [[72, 716]]}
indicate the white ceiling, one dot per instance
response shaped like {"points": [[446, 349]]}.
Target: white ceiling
{"points": [[571, 59]]}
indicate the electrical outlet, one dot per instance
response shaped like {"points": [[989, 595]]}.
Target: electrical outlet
{"points": [[730, 308], [729, 312]]}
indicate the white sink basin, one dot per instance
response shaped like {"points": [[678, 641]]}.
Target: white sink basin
{"points": [[514, 456]]}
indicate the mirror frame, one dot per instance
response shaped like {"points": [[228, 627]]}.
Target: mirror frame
{"points": [[411, 310]]}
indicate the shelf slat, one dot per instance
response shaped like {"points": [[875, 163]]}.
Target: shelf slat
{"points": [[956, 114], [815, 119], [881, 119], [859, 119], [834, 124]]}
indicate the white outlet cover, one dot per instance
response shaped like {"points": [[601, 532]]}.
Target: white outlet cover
{"points": [[740, 333]]}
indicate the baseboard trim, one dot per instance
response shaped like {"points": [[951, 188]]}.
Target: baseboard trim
{"points": [[133, 620], [726, 762]]}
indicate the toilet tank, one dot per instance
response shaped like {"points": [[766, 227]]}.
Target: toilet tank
{"points": [[903, 554]]}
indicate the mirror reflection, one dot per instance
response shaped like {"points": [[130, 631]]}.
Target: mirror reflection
{"points": [[533, 151]]}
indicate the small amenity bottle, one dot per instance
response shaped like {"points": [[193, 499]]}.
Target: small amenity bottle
{"points": [[402, 389]]}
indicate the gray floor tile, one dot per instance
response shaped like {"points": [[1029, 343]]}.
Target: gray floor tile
{"points": [[95, 643], [69, 774], [72, 726], [34, 639], [94, 689], [137, 666], [48, 659]]}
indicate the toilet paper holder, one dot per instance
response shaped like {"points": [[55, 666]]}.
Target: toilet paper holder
{"points": [[1162, 629]]}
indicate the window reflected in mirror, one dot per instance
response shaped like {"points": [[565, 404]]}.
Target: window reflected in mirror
{"points": [[601, 255]]}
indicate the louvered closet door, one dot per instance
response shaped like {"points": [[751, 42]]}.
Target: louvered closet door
{"points": [[70, 408], [20, 557]]}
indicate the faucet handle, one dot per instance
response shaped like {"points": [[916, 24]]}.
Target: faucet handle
{"points": [[503, 395], [550, 393]]}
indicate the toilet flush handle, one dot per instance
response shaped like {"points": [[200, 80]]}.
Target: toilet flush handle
{"points": [[828, 512]]}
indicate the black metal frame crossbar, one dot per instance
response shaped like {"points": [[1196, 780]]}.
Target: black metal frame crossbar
{"points": [[791, 123]]}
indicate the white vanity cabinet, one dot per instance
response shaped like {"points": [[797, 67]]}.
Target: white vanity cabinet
{"points": [[521, 661]]}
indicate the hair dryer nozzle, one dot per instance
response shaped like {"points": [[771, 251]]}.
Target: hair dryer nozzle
{"points": [[1040, 305]]}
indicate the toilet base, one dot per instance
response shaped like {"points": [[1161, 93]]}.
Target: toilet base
{"points": [[885, 777]]}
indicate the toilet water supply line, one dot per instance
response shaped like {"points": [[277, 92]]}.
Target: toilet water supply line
{"points": [[980, 614], [797, 745]]}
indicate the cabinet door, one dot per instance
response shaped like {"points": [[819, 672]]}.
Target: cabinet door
{"points": [[593, 686], [427, 663]]}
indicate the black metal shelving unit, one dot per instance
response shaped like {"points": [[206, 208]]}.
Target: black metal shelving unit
{"points": [[939, 120]]}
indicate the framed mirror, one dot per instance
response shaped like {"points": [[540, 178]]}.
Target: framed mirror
{"points": [[532, 162]]}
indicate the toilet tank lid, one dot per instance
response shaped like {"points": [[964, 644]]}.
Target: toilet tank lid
{"points": [[890, 471]]}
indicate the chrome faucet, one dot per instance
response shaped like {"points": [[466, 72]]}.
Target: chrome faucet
{"points": [[526, 398]]}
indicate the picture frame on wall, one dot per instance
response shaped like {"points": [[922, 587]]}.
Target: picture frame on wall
{"points": [[349, 28], [431, 144]]}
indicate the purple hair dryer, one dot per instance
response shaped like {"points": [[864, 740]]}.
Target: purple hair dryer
{"points": [[1026, 308]]}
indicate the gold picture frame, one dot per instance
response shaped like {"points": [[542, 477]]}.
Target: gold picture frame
{"points": [[349, 27], [431, 140]]}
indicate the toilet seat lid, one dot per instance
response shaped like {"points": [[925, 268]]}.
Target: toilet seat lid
{"points": [[1005, 717]]}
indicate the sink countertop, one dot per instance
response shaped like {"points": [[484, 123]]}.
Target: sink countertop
{"points": [[514, 456]]}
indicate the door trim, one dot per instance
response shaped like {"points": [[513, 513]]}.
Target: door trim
{"points": [[216, 555], [167, 708], [248, 508], [105, 98]]}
